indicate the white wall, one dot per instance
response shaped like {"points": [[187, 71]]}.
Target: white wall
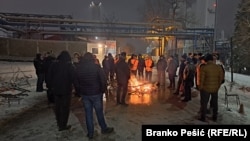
{"points": [[100, 50]]}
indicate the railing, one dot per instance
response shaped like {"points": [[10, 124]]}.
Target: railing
{"points": [[51, 26]]}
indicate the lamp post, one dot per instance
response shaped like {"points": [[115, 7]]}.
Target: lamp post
{"points": [[215, 22], [159, 46], [231, 59], [95, 10]]}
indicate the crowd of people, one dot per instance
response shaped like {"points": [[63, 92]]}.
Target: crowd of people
{"points": [[89, 77], [205, 73], [85, 76]]}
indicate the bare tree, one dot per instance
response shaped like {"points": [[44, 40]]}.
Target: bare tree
{"points": [[110, 21], [172, 11]]}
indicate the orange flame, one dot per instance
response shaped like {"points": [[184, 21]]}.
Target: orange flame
{"points": [[140, 91]]}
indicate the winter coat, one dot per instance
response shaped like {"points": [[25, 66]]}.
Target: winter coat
{"points": [[39, 64], [172, 65], [188, 74], [181, 68], [47, 63], [122, 71], [106, 65], [211, 76], [61, 77], [111, 63], [161, 65], [90, 79]]}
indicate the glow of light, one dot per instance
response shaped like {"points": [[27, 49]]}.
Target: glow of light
{"points": [[214, 4], [99, 45], [140, 91], [92, 4]]}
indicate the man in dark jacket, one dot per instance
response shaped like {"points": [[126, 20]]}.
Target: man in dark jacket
{"points": [[180, 75], [106, 66], [122, 71], [171, 70], [188, 79], [91, 83], [112, 66], [60, 79], [40, 71], [161, 68], [141, 66], [48, 60]]}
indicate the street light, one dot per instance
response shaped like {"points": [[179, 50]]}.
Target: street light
{"points": [[215, 17], [160, 53], [93, 4], [231, 59], [95, 7]]}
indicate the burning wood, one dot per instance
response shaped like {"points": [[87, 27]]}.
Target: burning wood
{"points": [[140, 87]]}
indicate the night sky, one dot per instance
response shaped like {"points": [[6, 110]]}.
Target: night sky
{"points": [[123, 10]]}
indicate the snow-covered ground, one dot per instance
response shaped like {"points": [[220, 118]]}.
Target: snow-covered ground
{"points": [[160, 107]]}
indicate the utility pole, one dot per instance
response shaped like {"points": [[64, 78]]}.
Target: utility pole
{"points": [[215, 21], [231, 62], [159, 39]]}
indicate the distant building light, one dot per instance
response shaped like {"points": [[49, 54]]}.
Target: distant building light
{"points": [[99, 45], [214, 5]]}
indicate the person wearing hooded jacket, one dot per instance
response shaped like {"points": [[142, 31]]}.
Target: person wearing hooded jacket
{"points": [[60, 80], [48, 60]]}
